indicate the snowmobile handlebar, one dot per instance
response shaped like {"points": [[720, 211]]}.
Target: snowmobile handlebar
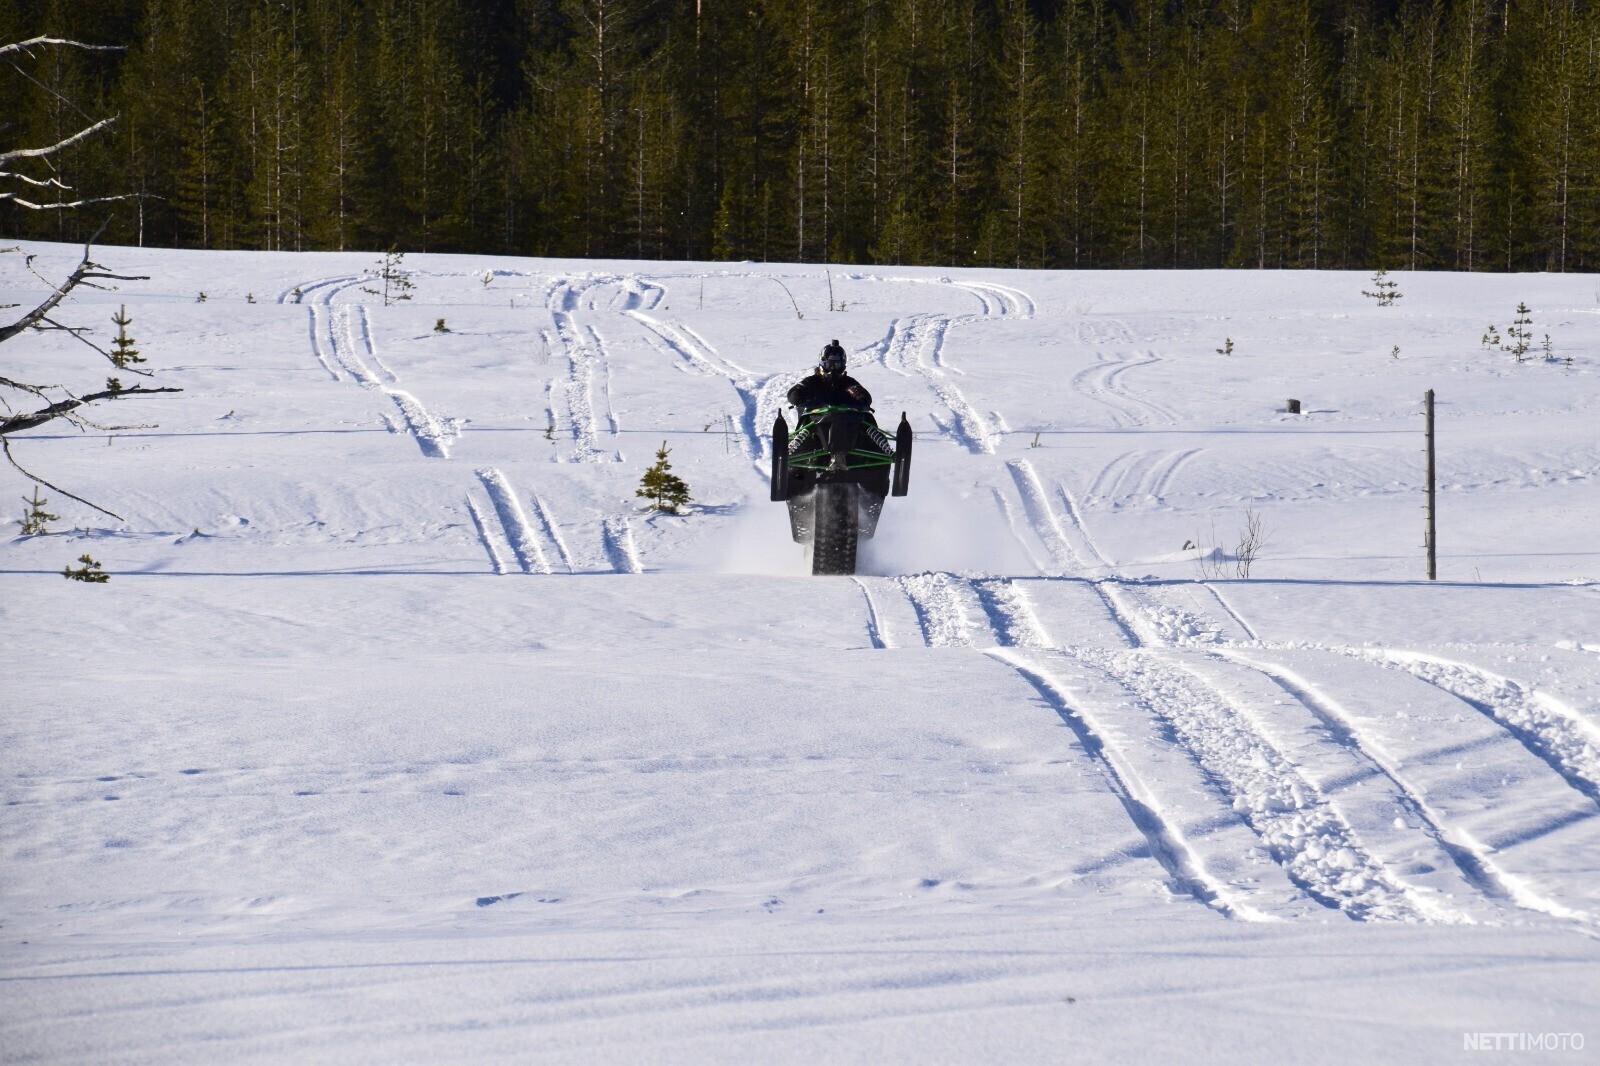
{"points": [[829, 409]]}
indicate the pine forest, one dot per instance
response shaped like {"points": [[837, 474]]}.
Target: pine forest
{"points": [[1437, 134]]}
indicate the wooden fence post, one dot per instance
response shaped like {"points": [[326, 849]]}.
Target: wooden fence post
{"points": [[1432, 535]]}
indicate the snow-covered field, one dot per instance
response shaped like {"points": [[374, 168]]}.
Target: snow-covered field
{"points": [[401, 733]]}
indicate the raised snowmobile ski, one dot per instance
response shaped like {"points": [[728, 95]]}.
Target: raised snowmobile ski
{"points": [[834, 473]]}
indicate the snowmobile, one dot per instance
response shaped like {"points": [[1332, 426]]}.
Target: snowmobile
{"points": [[834, 473]]}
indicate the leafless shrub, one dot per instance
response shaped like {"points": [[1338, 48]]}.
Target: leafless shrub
{"points": [[1214, 562], [1252, 538]]}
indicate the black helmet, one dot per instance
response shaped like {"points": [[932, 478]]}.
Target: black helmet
{"points": [[833, 359]]}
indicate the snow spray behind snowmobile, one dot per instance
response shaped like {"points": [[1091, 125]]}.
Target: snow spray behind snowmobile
{"points": [[834, 474]]}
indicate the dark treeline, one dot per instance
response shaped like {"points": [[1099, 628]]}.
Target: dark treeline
{"points": [[1455, 134]]}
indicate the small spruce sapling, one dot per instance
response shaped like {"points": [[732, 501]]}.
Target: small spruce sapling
{"points": [[1384, 289], [1227, 347], [1518, 333], [123, 353], [89, 571], [664, 489], [440, 327], [36, 520], [396, 278]]}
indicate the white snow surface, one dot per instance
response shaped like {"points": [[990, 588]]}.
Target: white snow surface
{"points": [[402, 734]]}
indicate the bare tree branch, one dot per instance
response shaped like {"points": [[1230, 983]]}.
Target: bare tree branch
{"points": [[34, 153], [5, 446], [23, 46], [85, 270], [51, 183], [22, 386], [64, 408], [13, 198], [86, 273]]}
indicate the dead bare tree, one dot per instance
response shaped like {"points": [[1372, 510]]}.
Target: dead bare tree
{"points": [[42, 155], [27, 405]]}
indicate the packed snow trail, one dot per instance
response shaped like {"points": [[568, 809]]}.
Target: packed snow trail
{"points": [[588, 369], [341, 340]]}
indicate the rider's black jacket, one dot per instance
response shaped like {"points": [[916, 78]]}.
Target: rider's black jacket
{"points": [[825, 390]]}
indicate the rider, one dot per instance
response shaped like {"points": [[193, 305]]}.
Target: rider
{"points": [[829, 386]]}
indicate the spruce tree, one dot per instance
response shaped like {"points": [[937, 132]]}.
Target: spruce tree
{"points": [[1520, 333], [36, 520], [664, 489], [1384, 289], [397, 284], [123, 353], [87, 570]]}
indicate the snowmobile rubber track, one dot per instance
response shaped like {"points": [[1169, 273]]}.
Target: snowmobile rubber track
{"points": [[833, 548]]}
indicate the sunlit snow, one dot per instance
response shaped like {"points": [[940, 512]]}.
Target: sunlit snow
{"points": [[402, 732]]}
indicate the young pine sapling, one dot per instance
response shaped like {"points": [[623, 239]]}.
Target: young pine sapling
{"points": [[397, 284], [36, 520], [88, 570], [1384, 289], [664, 489]]}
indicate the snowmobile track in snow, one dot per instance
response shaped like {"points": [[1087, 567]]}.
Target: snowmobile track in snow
{"points": [[1371, 768], [491, 541], [1553, 732], [915, 345], [1147, 473], [946, 608], [617, 537], [698, 354], [1101, 381], [1478, 865], [519, 534], [1167, 847], [588, 368], [1303, 831], [341, 340]]}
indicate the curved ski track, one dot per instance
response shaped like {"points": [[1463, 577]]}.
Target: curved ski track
{"points": [[1147, 473], [679, 340]]}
